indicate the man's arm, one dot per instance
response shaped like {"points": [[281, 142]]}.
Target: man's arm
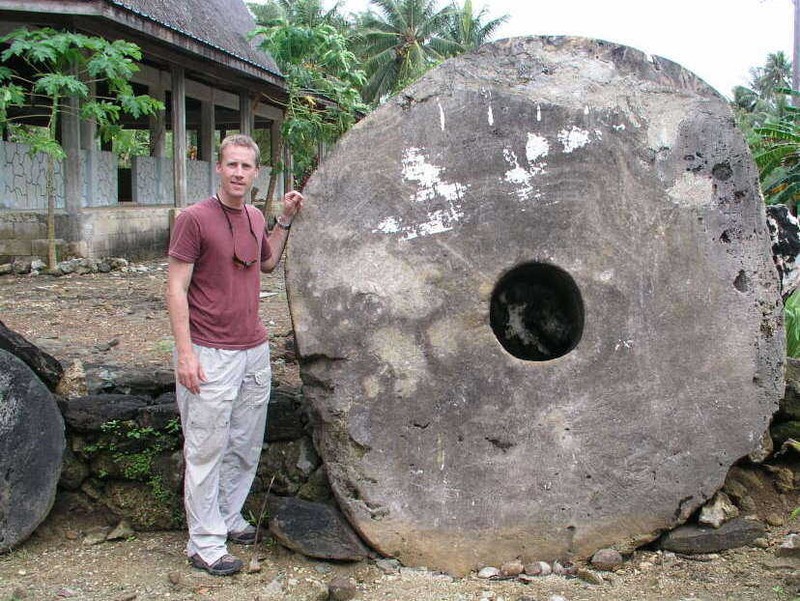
{"points": [[188, 369], [292, 204]]}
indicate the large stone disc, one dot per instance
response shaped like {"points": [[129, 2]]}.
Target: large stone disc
{"points": [[31, 450], [535, 306]]}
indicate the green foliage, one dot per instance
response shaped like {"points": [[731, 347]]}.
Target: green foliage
{"points": [[322, 78], [469, 30], [400, 42], [791, 310], [135, 462], [61, 65], [777, 154]]}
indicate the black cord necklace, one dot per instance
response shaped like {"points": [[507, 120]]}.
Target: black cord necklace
{"points": [[236, 259]]}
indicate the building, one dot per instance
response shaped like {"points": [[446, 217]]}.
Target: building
{"points": [[197, 59]]}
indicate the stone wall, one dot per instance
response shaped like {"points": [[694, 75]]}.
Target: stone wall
{"points": [[124, 448]]}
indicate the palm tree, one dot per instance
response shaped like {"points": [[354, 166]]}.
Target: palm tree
{"points": [[306, 13], [399, 43], [467, 29], [774, 75], [767, 98], [778, 159]]}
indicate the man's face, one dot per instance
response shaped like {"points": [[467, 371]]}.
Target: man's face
{"points": [[237, 171]]}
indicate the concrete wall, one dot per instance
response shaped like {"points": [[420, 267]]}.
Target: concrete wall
{"points": [[131, 231], [103, 227]]}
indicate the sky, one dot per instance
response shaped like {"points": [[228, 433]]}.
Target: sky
{"points": [[719, 40]]}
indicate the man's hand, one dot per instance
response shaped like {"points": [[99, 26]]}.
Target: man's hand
{"points": [[190, 373], [292, 205]]}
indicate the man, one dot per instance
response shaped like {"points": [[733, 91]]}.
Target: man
{"points": [[221, 353]]}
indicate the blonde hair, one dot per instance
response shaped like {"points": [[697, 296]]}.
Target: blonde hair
{"points": [[239, 140]]}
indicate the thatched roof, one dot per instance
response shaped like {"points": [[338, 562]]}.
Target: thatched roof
{"points": [[200, 30], [222, 24]]}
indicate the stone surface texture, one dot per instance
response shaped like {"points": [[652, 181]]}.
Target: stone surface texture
{"points": [[625, 172], [31, 449]]}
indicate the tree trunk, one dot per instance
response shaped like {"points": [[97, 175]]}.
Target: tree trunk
{"points": [[50, 186]]}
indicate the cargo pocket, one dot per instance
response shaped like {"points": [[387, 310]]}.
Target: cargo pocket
{"points": [[257, 392]]}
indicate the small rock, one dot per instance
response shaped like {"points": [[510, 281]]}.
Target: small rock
{"points": [[557, 598], [564, 569], [790, 547], [607, 559], [388, 566], [765, 448], [760, 543], [775, 520], [274, 590], [66, 593], [121, 531], [489, 572], [38, 265], [73, 382], [538, 568], [718, 511], [6, 268], [342, 589], [511, 569], [127, 597], [589, 576], [175, 578], [71, 534], [318, 591], [784, 477], [19, 593], [95, 536]]}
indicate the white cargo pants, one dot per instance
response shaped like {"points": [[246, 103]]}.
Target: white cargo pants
{"points": [[223, 428]]}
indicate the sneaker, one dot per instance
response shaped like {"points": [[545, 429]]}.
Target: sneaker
{"points": [[224, 566], [245, 537]]}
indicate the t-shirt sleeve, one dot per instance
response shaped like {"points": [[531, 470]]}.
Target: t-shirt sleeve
{"points": [[184, 244]]}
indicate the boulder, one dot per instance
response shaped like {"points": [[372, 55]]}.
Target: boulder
{"points": [[544, 317], [692, 539], [314, 529], [45, 366], [31, 450], [89, 413]]}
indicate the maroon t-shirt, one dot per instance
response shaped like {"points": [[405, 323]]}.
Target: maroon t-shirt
{"points": [[223, 295]]}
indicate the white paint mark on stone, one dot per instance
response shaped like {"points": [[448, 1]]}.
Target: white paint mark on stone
{"points": [[606, 276], [573, 139], [586, 110], [430, 187], [517, 175], [536, 148], [491, 116], [441, 115], [620, 127], [390, 225], [692, 190], [626, 344], [538, 112]]}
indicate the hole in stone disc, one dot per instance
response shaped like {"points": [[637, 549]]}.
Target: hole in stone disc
{"points": [[536, 312]]}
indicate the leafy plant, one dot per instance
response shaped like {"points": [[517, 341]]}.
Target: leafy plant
{"points": [[791, 311], [46, 74], [322, 78]]}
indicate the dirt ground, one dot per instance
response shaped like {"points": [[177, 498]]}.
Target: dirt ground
{"points": [[119, 318]]}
